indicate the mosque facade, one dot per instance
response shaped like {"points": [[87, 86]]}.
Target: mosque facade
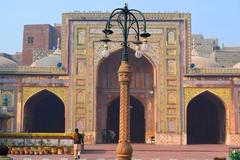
{"points": [[179, 93]]}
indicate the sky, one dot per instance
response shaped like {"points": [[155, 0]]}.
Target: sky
{"points": [[212, 18]]}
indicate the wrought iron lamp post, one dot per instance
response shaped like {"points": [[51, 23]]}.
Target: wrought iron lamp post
{"points": [[126, 19]]}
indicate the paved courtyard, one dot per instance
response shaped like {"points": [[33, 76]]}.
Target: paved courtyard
{"points": [[142, 152]]}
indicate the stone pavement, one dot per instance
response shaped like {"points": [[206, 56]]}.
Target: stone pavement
{"points": [[142, 152]]}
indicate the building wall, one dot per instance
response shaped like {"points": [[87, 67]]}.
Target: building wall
{"points": [[19, 88], [227, 90], [204, 46], [42, 36], [169, 45], [9, 89], [227, 57], [82, 36]]}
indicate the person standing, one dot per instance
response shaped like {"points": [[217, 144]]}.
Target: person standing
{"points": [[77, 140], [104, 136]]}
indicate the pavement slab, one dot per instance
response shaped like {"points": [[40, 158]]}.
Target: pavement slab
{"points": [[142, 152]]}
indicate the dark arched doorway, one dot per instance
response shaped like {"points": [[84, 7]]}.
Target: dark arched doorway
{"points": [[44, 112], [206, 120], [141, 86], [137, 120]]}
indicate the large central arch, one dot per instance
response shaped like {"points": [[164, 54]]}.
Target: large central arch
{"points": [[141, 87], [44, 112], [206, 120]]}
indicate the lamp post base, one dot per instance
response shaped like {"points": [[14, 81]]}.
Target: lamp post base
{"points": [[124, 151]]}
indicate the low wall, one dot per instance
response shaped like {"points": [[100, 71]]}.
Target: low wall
{"points": [[36, 139]]}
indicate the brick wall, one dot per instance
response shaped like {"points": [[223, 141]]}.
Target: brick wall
{"points": [[40, 36]]}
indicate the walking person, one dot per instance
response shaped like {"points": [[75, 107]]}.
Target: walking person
{"points": [[112, 135], [77, 140]]}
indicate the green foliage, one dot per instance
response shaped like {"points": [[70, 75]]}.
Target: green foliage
{"points": [[235, 155]]}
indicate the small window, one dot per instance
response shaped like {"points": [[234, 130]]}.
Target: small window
{"points": [[30, 40]]}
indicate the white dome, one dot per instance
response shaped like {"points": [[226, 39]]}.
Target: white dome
{"points": [[237, 65], [6, 62], [202, 62], [49, 61]]}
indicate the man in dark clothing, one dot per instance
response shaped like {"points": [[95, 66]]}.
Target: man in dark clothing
{"points": [[77, 140], [104, 136]]}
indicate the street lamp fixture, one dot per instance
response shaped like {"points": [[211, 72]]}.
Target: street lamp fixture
{"points": [[126, 20]]}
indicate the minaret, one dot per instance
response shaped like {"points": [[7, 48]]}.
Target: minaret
{"points": [[57, 51]]}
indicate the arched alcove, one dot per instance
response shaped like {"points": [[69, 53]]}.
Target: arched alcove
{"points": [[44, 112], [206, 120], [141, 87]]}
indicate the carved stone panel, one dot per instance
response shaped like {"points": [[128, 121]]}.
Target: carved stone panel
{"points": [[171, 37], [80, 96], [171, 96], [171, 52], [81, 36], [153, 53], [80, 110], [171, 82], [80, 123], [171, 124], [171, 111], [80, 82], [81, 67], [171, 67]]}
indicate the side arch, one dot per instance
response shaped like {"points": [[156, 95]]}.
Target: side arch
{"points": [[60, 92], [224, 94], [210, 92], [44, 112], [206, 119]]}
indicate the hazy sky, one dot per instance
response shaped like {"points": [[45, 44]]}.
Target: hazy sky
{"points": [[212, 18]]}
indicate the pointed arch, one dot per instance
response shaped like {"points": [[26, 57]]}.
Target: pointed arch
{"points": [[210, 92], [44, 112], [33, 91], [206, 119], [118, 53], [142, 85], [111, 64], [130, 51]]}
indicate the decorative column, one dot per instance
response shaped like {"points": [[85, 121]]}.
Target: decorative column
{"points": [[126, 20], [124, 149], [19, 109]]}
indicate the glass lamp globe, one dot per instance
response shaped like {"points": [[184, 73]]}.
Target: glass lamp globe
{"points": [[138, 52], [105, 52], [144, 47]]}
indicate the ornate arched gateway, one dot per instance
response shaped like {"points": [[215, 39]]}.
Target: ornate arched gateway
{"points": [[206, 120], [141, 88], [44, 112]]}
